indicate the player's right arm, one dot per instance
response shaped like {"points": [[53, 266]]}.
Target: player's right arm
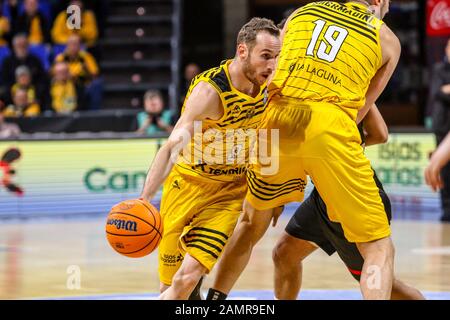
{"points": [[203, 103], [391, 49], [438, 160]]}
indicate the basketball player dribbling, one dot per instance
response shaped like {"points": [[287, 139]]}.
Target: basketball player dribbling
{"points": [[202, 201], [335, 61], [310, 228]]}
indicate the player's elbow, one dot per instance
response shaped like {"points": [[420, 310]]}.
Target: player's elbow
{"points": [[383, 137], [380, 137]]}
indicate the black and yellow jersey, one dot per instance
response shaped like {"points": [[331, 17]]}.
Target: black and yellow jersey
{"points": [[330, 53], [219, 150]]}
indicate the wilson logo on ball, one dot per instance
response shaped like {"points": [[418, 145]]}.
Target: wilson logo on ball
{"points": [[123, 224]]}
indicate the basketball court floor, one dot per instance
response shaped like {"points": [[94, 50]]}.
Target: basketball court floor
{"points": [[71, 259]]}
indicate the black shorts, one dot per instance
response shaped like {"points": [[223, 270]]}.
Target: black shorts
{"points": [[310, 222]]}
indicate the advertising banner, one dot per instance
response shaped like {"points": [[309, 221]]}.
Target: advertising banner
{"points": [[58, 178], [74, 177], [438, 17], [400, 165]]}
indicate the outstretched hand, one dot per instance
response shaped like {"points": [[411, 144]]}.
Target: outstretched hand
{"points": [[433, 175]]}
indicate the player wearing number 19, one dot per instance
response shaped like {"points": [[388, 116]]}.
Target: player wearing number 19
{"points": [[335, 61]]}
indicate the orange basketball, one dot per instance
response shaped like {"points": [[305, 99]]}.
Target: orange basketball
{"points": [[134, 228]]}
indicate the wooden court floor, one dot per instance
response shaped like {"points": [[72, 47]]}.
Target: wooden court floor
{"points": [[39, 259]]}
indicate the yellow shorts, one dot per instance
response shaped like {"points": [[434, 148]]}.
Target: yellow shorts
{"points": [[199, 216], [322, 141]]}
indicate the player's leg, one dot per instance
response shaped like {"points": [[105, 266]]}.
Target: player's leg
{"points": [[355, 262], [287, 256], [378, 269], [344, 178], [350, 255], [197, 293], [185, 280], [236, 255], [273, 181], [178, 205], [163, 287], [213, 229], [302, 236], [402, 291]]}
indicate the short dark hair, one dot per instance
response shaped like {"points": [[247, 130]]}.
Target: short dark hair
{"points": [[250, 30], [150, 94]]}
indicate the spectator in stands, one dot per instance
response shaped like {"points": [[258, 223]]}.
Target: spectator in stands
{"points": [[88, 30], [22, 57], [4, 29], [155, 118], [63, 89], [23, 82], [7, 130], [21, 107], [190, 72], [84, 71], [439, 100], [33, 23]]}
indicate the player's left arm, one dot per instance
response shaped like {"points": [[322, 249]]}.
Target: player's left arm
{"points": [[438, 160], [375, 128], [391, 49]]}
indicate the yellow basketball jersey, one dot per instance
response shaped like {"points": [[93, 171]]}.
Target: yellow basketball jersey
{"points": [[219, 150], [330, 53]]}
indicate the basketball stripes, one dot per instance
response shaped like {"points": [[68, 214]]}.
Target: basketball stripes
{"points": [[266, 191], [203, 249], [346, 21], [248, 115], [317, 83], [356, 21], [221, 80], [207, 240], [240, 112], [244, 108]]}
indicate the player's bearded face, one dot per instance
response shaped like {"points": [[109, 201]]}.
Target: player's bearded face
{"points": [[261, 58], [250, 71]]}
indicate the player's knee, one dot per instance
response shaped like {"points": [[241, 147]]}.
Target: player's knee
{"points": [[254, 225], [279, 255], [391, 250], [287, 253], [388, 249], [185, 280], [383, 247], [251, 230]]}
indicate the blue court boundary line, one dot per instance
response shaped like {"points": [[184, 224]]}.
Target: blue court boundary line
{"points": [[311, 294]]}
